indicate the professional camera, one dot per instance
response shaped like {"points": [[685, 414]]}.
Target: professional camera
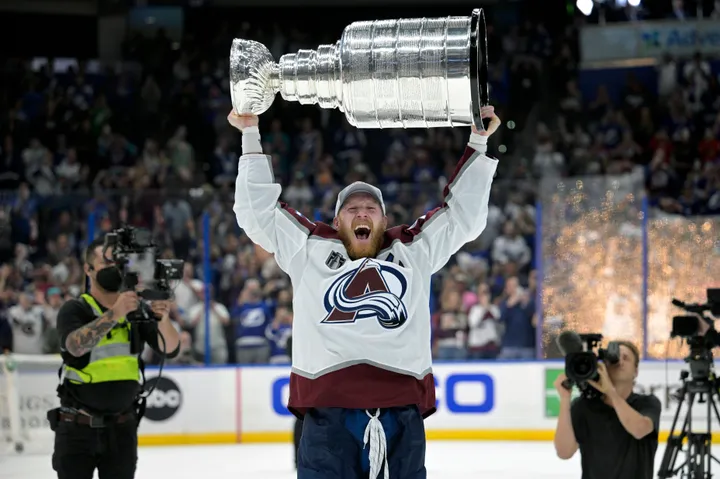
{"points": [[135, 256], [699, 385], [581, 363], [688, 327]]}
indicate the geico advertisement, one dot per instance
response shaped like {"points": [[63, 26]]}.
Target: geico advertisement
{"points": [[466, 397]]}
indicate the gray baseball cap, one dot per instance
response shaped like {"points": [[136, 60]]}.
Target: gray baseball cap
{"points": [[359, 187]]}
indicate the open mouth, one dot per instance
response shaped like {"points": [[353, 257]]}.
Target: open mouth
{"points": [[362, 232]]}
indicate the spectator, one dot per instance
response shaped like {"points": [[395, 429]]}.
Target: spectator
{"points": [[252, 319], [667, 76], [485, 331], [219, 318], [450, 326], [279, 333], [516, 315], [188, 292], [28, 325], [51, 340], [511, 247]]}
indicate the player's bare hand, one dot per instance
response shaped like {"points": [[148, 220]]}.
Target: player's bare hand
{"points": [[242, 121], [126, 303], [562, 392], [488, 112]]}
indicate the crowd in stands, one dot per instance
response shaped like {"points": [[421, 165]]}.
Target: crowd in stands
{"points": [[670, 137], [85, 150]]}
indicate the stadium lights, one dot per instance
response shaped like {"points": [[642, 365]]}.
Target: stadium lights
{"points": [[585, 6]]}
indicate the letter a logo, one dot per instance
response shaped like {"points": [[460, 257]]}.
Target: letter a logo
{"points": [[363, 293]]}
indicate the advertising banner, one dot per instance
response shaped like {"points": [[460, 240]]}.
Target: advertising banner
{"points": [[473, 400], [197, 404], [35, 396], [634, 40], [480, 400]]}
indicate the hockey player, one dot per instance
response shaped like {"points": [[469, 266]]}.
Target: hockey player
{"points": [[362, 367]]}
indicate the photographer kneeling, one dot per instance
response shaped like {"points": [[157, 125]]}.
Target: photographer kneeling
{"points": [[96, 425], [617, 433]]}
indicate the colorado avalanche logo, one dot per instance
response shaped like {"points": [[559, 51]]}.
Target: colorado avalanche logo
{"points": [[364, 293]]}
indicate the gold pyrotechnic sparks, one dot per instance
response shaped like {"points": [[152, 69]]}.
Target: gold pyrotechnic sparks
{"points": [[592, 250], [683, 261]]}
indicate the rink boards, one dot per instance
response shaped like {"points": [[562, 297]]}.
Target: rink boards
{"points": [[480, 400]]}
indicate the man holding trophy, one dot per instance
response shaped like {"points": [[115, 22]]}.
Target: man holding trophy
{"points": [[362, 367]]}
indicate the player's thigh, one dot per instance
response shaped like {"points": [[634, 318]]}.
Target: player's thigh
{"points": [[119, 459], [75, 452], [327, 449], [407, 450]]}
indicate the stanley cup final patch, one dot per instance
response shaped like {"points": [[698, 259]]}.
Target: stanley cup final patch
{"points": [[335, 260]]}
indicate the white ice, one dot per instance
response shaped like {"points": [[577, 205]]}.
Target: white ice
{"points": [[444, 460]]}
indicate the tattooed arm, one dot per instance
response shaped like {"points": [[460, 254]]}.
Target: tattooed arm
{"points": [[77, 336], [83, 339]]}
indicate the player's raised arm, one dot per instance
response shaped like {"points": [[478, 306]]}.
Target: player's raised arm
{"points": [[268, 222], [463, 214]]}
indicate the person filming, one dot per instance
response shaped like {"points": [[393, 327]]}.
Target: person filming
{"points": [[100, 383], [617, 434]]}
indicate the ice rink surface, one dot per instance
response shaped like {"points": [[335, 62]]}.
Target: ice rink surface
{"points": [[445, 460]]}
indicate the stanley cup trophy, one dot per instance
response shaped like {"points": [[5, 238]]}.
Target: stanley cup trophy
{"points": [[408, 73]]}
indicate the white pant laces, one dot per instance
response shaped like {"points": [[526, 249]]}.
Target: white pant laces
{"points": [[375, 435]]}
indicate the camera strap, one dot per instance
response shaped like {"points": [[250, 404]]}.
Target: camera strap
{"points": [[141, 401]]}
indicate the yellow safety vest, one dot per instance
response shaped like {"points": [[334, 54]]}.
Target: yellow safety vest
{"points": [[111, 359]]}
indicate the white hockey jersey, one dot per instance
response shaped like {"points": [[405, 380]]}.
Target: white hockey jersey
{"points": [[362, 329]]}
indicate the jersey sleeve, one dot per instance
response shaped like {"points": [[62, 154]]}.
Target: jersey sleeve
{"points": [[268, 222], [463, 214]]}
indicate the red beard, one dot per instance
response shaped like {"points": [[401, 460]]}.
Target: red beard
{"points": [[362, 249]]}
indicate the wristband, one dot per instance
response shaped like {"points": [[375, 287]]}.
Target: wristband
{"points": [[251, 140], [478, 142]]}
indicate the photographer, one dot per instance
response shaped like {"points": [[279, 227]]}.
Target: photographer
{"points": [[617, 434], [96, 425]]}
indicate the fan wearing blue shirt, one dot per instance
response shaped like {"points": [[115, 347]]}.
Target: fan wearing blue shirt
{"points": [[278, 334], [251, 316]]}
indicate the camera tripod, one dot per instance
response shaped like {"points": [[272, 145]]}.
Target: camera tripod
{"points": [[698, 462]]}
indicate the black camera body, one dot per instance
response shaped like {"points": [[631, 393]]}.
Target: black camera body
{"points": [[131, 245], [581, 366], [700, 385], [687, 327]]}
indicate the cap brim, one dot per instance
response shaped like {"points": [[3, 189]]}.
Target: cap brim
{"points": [[361, 190]]}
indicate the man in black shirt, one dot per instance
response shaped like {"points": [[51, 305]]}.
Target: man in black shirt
{"points": [[96, 425], [618, 434]]}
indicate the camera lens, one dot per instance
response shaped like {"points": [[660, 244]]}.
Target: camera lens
{"points": [[584, 367]]}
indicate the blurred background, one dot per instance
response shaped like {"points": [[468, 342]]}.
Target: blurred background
{"points": [[604, 208]]}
